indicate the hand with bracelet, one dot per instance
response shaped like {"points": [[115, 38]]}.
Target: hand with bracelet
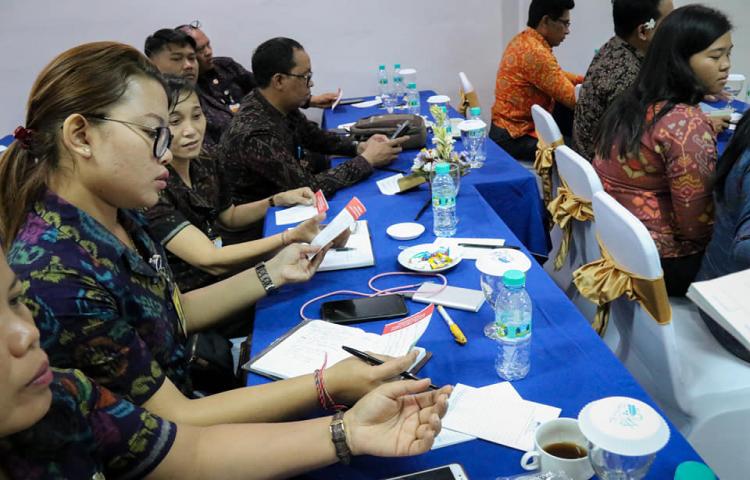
{"points": [[291, 264]]}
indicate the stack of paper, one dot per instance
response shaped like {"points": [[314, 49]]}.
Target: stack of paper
{"points": [[356, 253]]}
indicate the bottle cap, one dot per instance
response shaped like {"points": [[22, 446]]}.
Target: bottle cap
{"points": [[411, 85], [443, 167], [381, 67], [514, 278], [475, 110], [397, 66], [693, 471]]}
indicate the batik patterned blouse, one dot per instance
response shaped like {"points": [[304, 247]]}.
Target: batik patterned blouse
{"points": [[668, 187], [529, 74], [100, 306], [88, 433], [613, 70], [265, 152]]}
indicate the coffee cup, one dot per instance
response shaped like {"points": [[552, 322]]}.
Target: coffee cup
{"points": [[559, 445]]}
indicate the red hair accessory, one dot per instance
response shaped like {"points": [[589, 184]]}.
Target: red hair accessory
{"points": [[23, 135]]}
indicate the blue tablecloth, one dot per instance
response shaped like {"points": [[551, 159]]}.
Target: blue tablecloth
{"points": [[506, 186], [570, 364]]}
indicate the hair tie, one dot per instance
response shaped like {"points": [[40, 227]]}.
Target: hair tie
{"points": [[24, 136]]}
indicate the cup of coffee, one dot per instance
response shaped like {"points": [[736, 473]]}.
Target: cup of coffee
{"points": [[559, 445]]}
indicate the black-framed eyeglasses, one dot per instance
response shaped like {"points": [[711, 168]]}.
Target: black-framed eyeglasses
{"points": [[161, 135], [306, 77]]}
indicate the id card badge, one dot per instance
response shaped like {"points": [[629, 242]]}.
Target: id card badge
{"points": [[178, 308]]}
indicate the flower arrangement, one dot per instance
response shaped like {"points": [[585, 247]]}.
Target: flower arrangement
{"points": [[424, 162]]}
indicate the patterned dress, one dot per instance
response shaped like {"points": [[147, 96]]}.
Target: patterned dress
{"points": [[668, 187], [101, 307], [265, 152], [529, 74], [88, 433], [614, 69]]}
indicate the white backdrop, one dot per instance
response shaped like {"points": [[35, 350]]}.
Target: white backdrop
{"points": [[346, 39]]}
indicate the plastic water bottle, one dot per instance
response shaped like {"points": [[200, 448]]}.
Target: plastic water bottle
{"points": [[443, 201], [412, 97], [479, 140], [383, 88], [447, 123], [513, 328], [398, 83]]}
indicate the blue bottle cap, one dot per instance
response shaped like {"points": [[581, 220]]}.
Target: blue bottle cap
{"points": [[475, 110], [693, 471], [411, 85], [397, 66], [514, 278], [442, 167], [381, 67]]}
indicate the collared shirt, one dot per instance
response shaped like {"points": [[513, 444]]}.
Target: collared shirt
{"points": [[87, 433], [668, 187], [265, 152], [529, 74], [613, 70], [180, 206], [220, 91], [100, 306]]}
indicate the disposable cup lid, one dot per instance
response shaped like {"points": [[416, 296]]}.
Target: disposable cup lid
{"points": [[439, 99], [407, 71], [469, 125], [624, 426], [497, 262]]}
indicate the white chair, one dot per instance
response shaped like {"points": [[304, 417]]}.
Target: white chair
{"points": [[578, 91], [583, 181], [549, 133], [703, 389]]}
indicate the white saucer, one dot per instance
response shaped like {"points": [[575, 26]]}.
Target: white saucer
{"points": [[439, 99], [405, 231], [404, 258]]}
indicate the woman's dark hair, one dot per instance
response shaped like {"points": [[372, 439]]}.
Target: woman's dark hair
{"points": [[84, 80], [178, 90], [554, 9], [273, 56], [630, 14], [665, 76], [738, 145]]}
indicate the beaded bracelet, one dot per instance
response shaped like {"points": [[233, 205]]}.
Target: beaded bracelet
{"points": [[324, 398]]}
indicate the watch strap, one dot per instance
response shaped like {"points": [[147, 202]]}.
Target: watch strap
{"points": [[338, 436], [264, 277]]}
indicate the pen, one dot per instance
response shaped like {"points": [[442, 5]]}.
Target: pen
{"points": [[389, 169], [423, 209], [458, 335], [376, 361], [344, 249], [479, 245]]}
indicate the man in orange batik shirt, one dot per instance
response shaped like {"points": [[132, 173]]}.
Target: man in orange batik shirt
{"points": [[529, 74]]}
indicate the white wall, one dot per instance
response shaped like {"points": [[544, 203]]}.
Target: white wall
{"points": [[346, 39]]}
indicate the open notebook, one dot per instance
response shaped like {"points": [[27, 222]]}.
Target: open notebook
{"points": [[357, 252], [726, 300]]}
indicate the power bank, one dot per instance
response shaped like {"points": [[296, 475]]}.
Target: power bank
{"points": [[452, 297]]}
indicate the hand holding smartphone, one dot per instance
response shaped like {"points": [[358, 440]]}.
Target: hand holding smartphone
{"points": [[400, 130]]}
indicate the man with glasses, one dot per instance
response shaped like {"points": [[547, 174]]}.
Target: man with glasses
{"points": [[530, 74], [271, 147], [223, 83]]}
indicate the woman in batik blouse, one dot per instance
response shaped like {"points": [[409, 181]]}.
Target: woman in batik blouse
{"points": [[656, 150]]}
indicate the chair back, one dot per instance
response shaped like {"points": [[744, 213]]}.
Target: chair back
{"points": [[647, 349], [577, 173], [545, 125]]}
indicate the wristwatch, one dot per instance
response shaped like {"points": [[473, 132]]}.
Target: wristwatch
{"points": [[264, 277], [338, 435]]}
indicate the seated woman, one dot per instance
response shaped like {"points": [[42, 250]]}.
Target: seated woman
{"points": [[59, 424], [729, 249], [93, 150], [656, 149], [198, 197]]}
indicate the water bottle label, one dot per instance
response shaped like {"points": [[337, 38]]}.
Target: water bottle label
{"points": [[443, 201], [384, 81], [512, 330], [477, 133]]}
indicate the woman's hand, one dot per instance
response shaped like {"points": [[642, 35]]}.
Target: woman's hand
{"points": [[306, 231], [396, 419], [298, 196], [351, 379], [291, 265]]}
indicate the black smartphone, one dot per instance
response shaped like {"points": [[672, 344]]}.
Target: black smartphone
{"points": [[400, 130], [454, 471], [363, 309]]}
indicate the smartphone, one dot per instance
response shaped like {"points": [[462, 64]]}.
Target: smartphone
{"points": [[454, 471], [400, 130], [363, 309]]}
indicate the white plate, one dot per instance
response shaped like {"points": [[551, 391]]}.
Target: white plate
{"points": [[405, 231], [405, 257], [439, 99]]}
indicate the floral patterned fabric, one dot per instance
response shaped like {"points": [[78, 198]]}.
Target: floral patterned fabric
{"points": [[87, 433], [668, 187], [100, 306], [529, 74]]}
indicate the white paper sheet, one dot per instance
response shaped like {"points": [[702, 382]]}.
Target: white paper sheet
{"points": [[389, 185], [295, 214], [360, 255], [399, 337], [470, 253], [343, 220], [338, 99]]}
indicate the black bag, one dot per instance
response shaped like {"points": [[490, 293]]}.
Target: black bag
{"points": [[210, 361], [387, 125]]}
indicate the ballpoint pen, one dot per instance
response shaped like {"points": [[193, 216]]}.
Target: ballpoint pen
{"points": [[389, 169], [367, 358], [458, 335], [344, 249], [492, 247], [423, 209]]}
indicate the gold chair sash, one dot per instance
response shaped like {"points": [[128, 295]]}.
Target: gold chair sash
{"points": [[603, 281], [544, 160], [567, 206]]}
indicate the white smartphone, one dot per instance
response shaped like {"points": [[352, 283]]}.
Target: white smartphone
{"points": [[452, 297], [454, 471]]}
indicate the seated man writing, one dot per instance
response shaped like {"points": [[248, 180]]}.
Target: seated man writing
{"points": [[529, 74], [271, 147]]}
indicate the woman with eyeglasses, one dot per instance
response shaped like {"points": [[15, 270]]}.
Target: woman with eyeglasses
{"points": [[60, 424], [655, 148], [94, 150]]}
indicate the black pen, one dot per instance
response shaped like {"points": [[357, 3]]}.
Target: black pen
{"points": [[423, 209], [344, 249], [389, 169], [492, 247], [376, 361]]}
